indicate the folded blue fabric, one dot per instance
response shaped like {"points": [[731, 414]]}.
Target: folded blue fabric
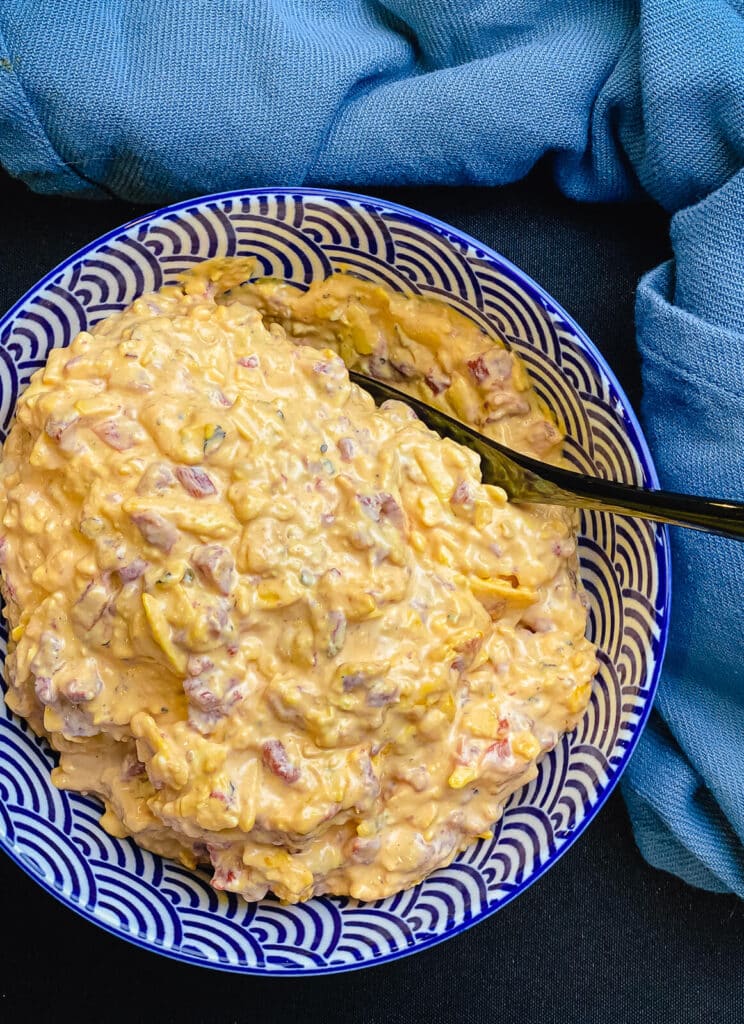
{"points": [[152, 100]]}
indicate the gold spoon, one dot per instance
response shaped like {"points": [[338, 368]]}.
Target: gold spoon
{"points": [[528, 480]]}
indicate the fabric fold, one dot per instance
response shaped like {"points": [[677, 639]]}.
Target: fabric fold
{"points": [[25, 150], [684, 785]]}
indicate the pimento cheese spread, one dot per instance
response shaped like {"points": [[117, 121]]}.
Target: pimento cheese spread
{"points": [[276, 630]]}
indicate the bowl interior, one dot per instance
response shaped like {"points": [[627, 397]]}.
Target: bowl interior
{"points": [[302, 235]]}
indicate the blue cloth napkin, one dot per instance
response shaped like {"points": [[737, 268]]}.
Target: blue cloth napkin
{"points": [[152, 100]]}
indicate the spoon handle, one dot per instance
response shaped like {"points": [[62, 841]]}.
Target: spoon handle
{"points": [[557, 486], [527, 480]]}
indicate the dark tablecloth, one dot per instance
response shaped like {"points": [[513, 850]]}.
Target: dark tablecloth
{"points": [[602, 937]]}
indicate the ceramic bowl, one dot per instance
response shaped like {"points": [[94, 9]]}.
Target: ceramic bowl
{"points": [[301, 235]]}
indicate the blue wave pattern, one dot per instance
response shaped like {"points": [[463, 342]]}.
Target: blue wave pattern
{"points": [[302, 236]]}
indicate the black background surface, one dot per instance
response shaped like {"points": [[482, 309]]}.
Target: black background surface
{"points": [[602, 937]]}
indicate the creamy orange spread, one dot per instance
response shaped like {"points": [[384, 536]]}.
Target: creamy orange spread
{"points": [[275, 629]]}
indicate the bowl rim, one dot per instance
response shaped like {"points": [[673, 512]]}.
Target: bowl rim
{"points": [[663, 560]]}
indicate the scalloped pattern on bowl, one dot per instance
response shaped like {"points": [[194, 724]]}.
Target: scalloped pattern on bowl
{"points": [[301, 235]]}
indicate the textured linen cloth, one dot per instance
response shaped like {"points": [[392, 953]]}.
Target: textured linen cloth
{"points": [[156, 100]]}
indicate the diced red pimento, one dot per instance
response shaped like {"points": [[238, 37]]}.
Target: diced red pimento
{"points": [[275, 757], [354, 680], [9, 589], [44, 689], [250, 362], [195, 481], [437, 382], [223, 878], [463, 495], [199, 663], [111, 432], [132, 768], [235, 693], [215, 565], [378, 690], [55, 426], [337, 637], [156, 529], [81, 691], [364, 850], [543, 436], [391, 510], [380, 696], [382, 506], [478, 369], [198, 692], [133, 571], [494, 365], [466, 652], [371, 506], [499, 750], [157, 478], [345, 446], [564, 548]]}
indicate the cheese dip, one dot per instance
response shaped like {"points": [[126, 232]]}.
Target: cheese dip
{"points": [[278, 631]]}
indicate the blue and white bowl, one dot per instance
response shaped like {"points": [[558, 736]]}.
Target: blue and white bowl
{"points": [[302, 235]]}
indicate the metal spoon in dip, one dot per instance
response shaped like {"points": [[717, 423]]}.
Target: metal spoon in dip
{"points": [[528, 480]]}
